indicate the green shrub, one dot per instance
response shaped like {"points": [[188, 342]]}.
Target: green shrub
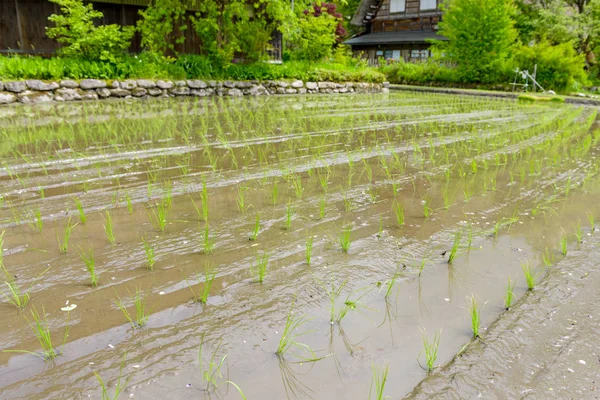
{"points": [[75, 29], [421, 73], [558, 67], [150, 65]]}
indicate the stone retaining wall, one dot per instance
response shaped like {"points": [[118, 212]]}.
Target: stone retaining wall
{"points": [[36, 91]]}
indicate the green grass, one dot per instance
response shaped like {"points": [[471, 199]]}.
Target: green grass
{"points": [[345, 239], [150, 254], [309, 248], [431, 349], [108, 228], [378, 381], [474, 312], [139, 302], [87, 256], [508, 298], [258, 269]]}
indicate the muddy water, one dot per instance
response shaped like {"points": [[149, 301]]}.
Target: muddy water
{"points": [[510, 179]]}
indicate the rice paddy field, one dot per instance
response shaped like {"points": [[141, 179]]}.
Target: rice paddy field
{"points": [[326, 247]]}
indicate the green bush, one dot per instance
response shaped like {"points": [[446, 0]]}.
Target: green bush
{"points": [[421, 73], [75, 29], [150, 65], [558, 67]]}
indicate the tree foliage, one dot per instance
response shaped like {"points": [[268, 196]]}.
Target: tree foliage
{"points": [[480, 34], [75, 29], [158, 23]]}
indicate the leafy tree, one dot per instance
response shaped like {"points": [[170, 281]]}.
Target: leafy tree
{"points": [[317, 33], [157, 26], [480, 34], [227, 27], [75, 29]]}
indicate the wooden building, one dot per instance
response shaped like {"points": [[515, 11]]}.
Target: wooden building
{"points": [[395, 29], [23, 26]]}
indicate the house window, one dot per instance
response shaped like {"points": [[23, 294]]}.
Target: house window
{"points": [[397, 6], [395, 54], [415, 54], [428, 4]]}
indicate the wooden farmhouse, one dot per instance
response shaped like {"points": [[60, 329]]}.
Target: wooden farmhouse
{"points": [[23, 26], [395, 29]]}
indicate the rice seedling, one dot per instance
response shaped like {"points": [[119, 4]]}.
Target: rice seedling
{"points": [[474, 312], [63, 244], [508, 298], [427, 211], [210, 274], [324, 180], [36, 223], [455, 246], [431, 349], [129, 204], [290, 335], [399, 210], [548, 257], [159, 213], [563, 245], [259, 269], [309, 248], [119, 386], [108, 228], [87, 256], [289, 214], [208, 242], [322, 204], [241, 199], [150, 255], [211, 374], [274, 192], [391, 284], [297, 183], [139, 302], [579, 233], [345, 238], [530, 274], [378, 382], [591, 221], [254, 233], [82, 216]]}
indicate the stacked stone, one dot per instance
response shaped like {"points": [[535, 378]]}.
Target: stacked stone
{"points": [[36, 91]]}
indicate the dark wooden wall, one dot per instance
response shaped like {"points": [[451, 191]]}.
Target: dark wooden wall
{"points": [[23, 24]]}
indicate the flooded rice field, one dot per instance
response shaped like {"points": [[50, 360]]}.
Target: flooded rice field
{"points": [[332, 247]]}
